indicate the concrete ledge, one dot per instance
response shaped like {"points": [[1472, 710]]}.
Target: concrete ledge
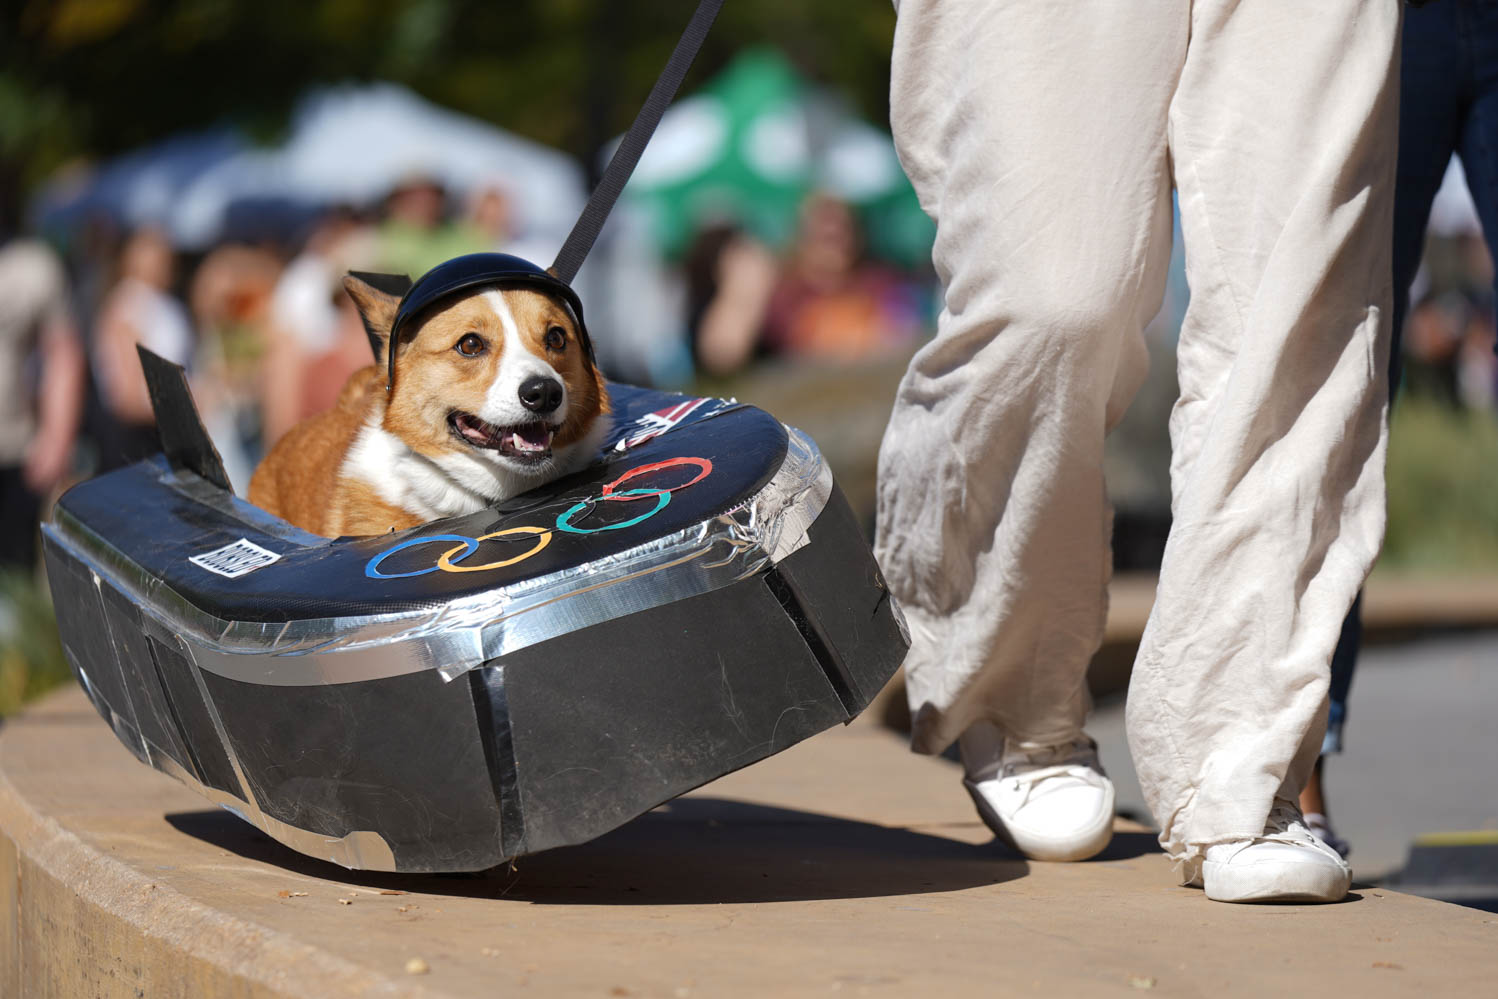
{"points": [[844, 865]]}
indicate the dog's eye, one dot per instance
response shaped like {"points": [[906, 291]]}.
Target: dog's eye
{"points": [[556, 338], [472, 345]]}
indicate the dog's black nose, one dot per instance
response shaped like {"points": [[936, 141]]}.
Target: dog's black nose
{"points": [[540, 394]]}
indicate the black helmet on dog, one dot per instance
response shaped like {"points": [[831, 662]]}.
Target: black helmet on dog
{"points": [[476, 270]]}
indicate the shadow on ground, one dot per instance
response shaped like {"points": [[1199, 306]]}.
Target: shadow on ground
{"points": [[693, 851], [1128, 845]]}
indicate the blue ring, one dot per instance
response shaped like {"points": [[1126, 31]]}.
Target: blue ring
{"points": [[372, 570], [662, 498]]}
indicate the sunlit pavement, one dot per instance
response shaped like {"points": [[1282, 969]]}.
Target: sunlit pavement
{"points": [[843, 866]]}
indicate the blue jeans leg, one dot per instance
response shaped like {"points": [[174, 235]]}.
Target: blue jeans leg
{"points": [[1434, 102]]}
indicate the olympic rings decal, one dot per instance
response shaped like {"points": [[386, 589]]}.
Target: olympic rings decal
{"points": [[445, 563], [662, 497], [452, 559], [705, 466]]}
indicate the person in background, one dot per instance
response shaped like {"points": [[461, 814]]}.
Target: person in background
{"points": [[730, 277], [831, 303], [825, 302], [304, 315], [138, 309], [489, 219], [341, 347], [491, 223], [40, 414], [328, 371], [416, 235], [1448, 106], [230, 303]]}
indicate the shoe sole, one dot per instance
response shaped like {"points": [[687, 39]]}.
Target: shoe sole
{"points": [[1304, 883], [1080, 846]]}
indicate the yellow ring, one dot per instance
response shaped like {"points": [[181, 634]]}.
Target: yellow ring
{"points": [[445, 564]]}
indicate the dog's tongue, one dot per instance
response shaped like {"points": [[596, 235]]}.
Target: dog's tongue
{"points": [[476, 430], [531, 437]]}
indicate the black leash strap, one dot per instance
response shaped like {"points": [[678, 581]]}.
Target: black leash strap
{"points": [[585, 231]]}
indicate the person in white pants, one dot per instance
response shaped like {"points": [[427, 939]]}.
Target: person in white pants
{"points": [[1045, 139]]}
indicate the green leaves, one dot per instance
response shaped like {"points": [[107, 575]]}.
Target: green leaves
{"points": [[94, 78]]}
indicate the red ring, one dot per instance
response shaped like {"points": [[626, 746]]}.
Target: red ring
{"points": [[703, 463]]}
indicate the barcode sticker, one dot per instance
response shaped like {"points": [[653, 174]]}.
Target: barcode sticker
{"points": [[235, 559]]}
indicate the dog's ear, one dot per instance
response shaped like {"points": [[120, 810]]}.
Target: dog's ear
{"points": [[377, 296]]}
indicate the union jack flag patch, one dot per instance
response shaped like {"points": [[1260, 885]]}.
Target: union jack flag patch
{"points": [[654, 424]]}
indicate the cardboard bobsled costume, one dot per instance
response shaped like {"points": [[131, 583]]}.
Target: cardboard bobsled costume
{"points": [[525, 677]]}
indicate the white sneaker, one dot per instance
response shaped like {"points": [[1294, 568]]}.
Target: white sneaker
{"points": [[1048, 802], [1321, 827], [1286, 864]]}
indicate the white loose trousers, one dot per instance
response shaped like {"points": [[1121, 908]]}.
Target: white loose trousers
{"points": [[1044, 137]]}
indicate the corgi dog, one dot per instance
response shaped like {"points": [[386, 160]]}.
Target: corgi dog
{"points": [[489, 393]]}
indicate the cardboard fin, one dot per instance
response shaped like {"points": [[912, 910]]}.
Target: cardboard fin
{"points": [[183, 437]]}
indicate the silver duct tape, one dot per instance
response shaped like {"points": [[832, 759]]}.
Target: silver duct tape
{"points": [[465, 633]]}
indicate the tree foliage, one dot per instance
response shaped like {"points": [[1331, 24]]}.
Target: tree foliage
{"points": [[96, 77]]}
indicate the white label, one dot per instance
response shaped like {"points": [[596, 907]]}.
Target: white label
{"points": [[236, 559]]}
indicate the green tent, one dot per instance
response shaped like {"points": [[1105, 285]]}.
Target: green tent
{"points": [[753, 143]]}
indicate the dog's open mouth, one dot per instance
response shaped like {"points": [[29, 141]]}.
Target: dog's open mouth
{"points": [[526, 441]]}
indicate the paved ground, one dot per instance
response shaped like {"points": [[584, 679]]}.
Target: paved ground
{"points": [[845, 866], [1421, 748]]}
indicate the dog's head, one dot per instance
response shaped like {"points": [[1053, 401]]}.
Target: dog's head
{"points": [[495, 384]]}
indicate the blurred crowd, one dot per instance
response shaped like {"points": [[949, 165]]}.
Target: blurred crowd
{"points": [[269, 337]]}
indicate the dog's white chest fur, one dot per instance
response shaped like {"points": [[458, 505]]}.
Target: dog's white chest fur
{"points": [[454, 484], [408, 480]]}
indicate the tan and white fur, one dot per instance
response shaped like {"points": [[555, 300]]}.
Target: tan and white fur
{"points": [[493, 395]]}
